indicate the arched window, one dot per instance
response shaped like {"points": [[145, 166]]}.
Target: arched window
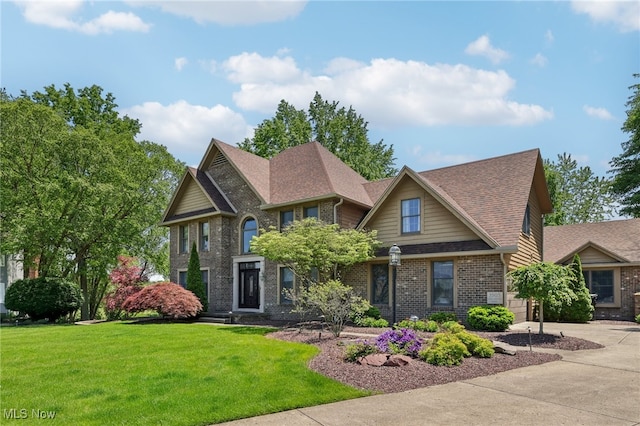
{"points": [[249, 229]]}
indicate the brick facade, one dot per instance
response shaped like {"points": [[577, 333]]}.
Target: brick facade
{"points": [[629, 285]]}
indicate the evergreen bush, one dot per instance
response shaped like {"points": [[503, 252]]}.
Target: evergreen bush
{"points": [[490, 318], [441, 317], [194, 279], [581, 309], [444, 349], [40, 298]]}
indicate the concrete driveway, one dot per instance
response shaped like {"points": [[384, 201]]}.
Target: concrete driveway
{"points": [[589, 387]]}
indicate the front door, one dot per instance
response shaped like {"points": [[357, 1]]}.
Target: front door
{"points": [[249, 291]]}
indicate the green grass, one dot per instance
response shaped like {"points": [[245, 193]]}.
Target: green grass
{"points": [[148, 374]]}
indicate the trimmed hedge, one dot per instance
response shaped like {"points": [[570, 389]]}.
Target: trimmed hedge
{"points": [[44, 298], [490, 318]]}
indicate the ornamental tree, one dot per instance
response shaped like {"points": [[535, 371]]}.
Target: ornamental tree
{"points": [[127, 279], [545, 282], [168, 299]]}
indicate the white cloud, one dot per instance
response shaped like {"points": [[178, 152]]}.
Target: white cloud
{"points": [[187, 129], [600, 113], [228, 12], [482, 47], [62, 15], [539, 60], [623, 14], [433, 159], [253, 68], [549, 36], [180, 63], [388, 92]]}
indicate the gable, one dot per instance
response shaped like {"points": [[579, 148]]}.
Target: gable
{"points": [[192, 198], [438, 223], [592, 254]]}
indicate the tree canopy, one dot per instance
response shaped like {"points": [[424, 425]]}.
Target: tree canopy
{"points": [[311, 244], [626, 166], [546, 283], [577, 194], [342, 131], [77, 189]]}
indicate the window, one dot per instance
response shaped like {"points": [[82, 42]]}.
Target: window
{"points": [[286, 217], [205, 280], [410, 215], [600, 282], [442, 288], [204, 236], [182, 278], [310, 212], [249, 230], [286, 283], [526, 222], [380, 283], [183, 235]]}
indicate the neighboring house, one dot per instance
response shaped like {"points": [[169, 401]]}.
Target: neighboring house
{"points": [[610, 257], [460, 228], [10, 271]]}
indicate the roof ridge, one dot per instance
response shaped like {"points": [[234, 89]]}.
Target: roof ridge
{"points": [[468, 163]]}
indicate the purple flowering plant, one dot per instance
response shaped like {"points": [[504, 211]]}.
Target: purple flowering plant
{"points": [[401, 341]]}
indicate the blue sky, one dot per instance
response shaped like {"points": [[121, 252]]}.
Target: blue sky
{"points": [[443, 82]]}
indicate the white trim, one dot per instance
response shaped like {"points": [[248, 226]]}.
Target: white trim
{"points": [[236, 282]]}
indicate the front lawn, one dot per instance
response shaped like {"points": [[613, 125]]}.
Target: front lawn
{"points": [[170, 374]]}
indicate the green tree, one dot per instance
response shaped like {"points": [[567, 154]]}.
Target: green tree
{"points": [[626, 166], [310, 244], [581, 309], [544, 282], [194, 278], [577, 194], [341, 131], [77, 189]]}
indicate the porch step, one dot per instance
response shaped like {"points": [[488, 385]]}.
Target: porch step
{"points": [[215, 319]]}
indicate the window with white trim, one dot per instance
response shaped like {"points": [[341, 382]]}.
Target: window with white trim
{"points": [[410, 213], [442, 283], [204, 236], [183, 237], [249, 230]]}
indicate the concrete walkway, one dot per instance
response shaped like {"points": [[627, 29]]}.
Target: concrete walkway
{"points": [[589, 387]]}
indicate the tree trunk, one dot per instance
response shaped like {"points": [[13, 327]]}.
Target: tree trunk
{"points": [[82, 274], [541, 319]]}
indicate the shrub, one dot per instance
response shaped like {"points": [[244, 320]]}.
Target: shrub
{"points": [[372, 322], [420, 325], [580, 309], [359, 349], [403, 341], [372, 312], [441, 317], [490, 318], [638, 318], [335, 300], [126, 279], [451, 327], [41, 298], [168, 299], [194, 279], [444, 349], [476, 345]]}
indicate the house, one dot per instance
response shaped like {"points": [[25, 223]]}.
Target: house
{"points": [[10, 271], [460, 228], [610, 257]]}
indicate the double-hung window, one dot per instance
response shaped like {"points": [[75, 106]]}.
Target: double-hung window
{"points": [[410, 211], [379, 283], [286, 218], [310, 212], [286, 285], [600, 282], [183, 236], [442, 284], [526, 222], [204, 236]]}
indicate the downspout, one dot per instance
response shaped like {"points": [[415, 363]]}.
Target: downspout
{"points": [[335, 210], [504, 280]]}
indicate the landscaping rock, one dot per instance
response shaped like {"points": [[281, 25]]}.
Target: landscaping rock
{"points": [[375, 360], [397, 361], [501, 350]]}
